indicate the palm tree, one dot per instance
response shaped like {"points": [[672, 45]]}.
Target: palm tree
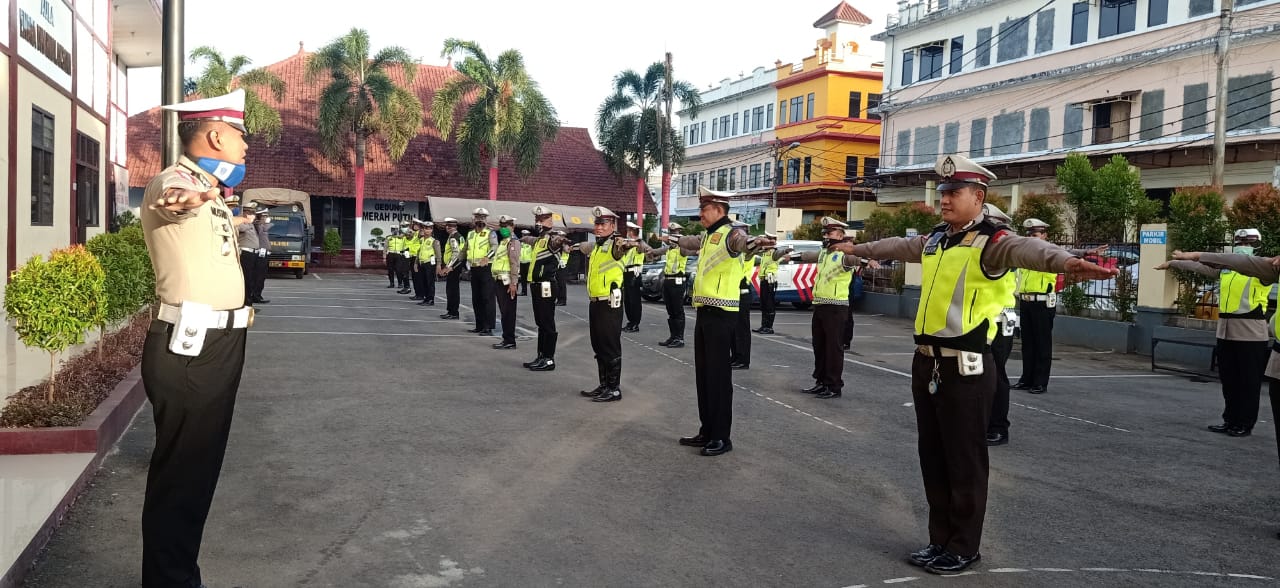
{"points": [[362, 101], [507, 114], [630, 124], [221, 74]]}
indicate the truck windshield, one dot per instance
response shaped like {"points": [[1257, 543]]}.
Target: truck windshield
{"points": [[287, 226]]}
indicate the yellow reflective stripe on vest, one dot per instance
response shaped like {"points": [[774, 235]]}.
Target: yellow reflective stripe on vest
{"points": [[1240, 294], [502, 262], [768, 265], [526, 253], [675, 261], [603, 271], [832, 285], [718, 272], [427, 250], [1034, 282], [538, 252], [956, 296], [478, 245]]}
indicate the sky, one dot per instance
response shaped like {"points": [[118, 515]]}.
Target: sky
{"points": [[572, 48]]}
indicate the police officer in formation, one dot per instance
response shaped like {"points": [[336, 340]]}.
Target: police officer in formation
{"points": [[391, 256], [716, 297], [953, 372], [425, 265], [451, 268], [830, 307], [505, 263], [768, 262], [262, 225], [482, 247], [194, 351], [1002, 347], [673, 287], [404, 263], [1037, 308], [1243, 263], [605, 271], [412, 245], [740, 347], [562, 274], [247, 235], [541, 276], [1242, 330], [526, 256], [634, 264]]}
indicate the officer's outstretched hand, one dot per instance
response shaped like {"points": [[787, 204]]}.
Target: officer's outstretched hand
{"points": [[1083, 270], [1186, 255], [1163, 266], [844, 247], [177, 199]]}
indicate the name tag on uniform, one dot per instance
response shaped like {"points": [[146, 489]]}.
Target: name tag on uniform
{"points": [[931, 246]]}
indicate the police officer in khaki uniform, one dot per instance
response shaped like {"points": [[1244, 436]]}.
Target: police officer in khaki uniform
{"points": [[262, 224], [507, 284], [194, 350], [673, 284], [716, 296], [542, 271], [953, 372], [247, 236], [605, 271], [451, 267]]}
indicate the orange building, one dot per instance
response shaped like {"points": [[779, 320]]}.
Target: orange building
{"points": [[829, 144]]}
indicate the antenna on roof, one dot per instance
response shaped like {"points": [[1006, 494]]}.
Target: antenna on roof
{"points": [[299, 46]]}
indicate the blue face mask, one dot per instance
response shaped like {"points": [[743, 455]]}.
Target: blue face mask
{"points": [[230, 174], [1243, 249]]}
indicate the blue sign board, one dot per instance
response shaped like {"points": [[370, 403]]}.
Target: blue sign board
{"points": [[1153, 237]]}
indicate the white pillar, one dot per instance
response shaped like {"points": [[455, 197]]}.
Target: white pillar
{"points": [[1015, 198]]}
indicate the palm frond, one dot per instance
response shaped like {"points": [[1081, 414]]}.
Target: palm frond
{"points": [[628, 81], [473, 144], [395, 56], [264, 79], [236, 64], [446, 100], [329, 59], [613, 107], [654, 81], [468, 48], [335, 118], [208, 53], [688, 96], [399, 121], [261, 119]]}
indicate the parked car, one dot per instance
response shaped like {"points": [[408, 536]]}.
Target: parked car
{"points": [[651, 280]]}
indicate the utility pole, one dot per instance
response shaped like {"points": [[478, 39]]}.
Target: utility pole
{"points": [[171, 57], [1220, 98], [663, 130]]}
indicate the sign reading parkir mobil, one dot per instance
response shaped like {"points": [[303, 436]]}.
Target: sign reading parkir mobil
{"points": [[1153, 237]]}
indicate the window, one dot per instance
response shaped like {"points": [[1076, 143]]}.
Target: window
{"points": [[808, 169], [735, 125], [87, 192], [782, 112], [722, 179], [733, 177], [755, 176], [769, 172], [701, 178], [855, 104], [684, 133], [796, 104], [41, 167], [1079, 22], [1116, 17], [808, 111], [1012, 40], [793, 170], [724, 126], [851, 168], [768, 115], [715, 130], [957, 54], [742, 178], [1199, 7], [982, 57], [702, 132], [746, 122], [1157, 12], [908, 66], [869, 167], [1110, 122], [757, 117], [1044, 31], [873, 102], [931, 62]]}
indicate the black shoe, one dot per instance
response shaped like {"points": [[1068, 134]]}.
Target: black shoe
{"points": [[505, 345], [535, 360], [924, 556], [667, 342], [715, 447], [631, 328], [475, 330], [845, 346], [593, 393], [694, 441], [737, 365], [608, 396], [1020, 385], [994, 439], [1037, 390], [447, 316], [418, 298], [260, 300], [546, 365], [424, 303], [676, 343], [1239, 432], [817, 388], [403, 291], [1223, 428], [950, 564], [765, 331], [828, 393], [430, 302], [392, 286], [562, 304], [486, 333]]}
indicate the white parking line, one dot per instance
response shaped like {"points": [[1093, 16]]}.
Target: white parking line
{"points": [[257, 332], [335, 306], [345, 318]]}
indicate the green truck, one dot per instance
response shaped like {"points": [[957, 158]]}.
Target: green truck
{"points": [[291, 230]]}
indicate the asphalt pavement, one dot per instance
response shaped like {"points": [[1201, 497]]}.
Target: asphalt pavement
{"points": [[375, 444]]}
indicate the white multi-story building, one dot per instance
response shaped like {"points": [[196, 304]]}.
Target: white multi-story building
{"points": [[728, 145], [1019, 84]]}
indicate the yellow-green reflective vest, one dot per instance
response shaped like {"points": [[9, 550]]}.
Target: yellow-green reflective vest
{"points": [[413, 244], [502, 262], [427, 250], [1240, 296], [1034, 282], [1008, 284], [604, 273], [478, 245], [526, 253], [393, 244], [633, 257], [564, 259], [451, 250], [719, 273], [537, 252], [675, 262], [958, 300], [832, 285], [768, 265]]}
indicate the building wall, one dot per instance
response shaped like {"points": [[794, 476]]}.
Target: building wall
{"points": [[34, 93], [745, 108]]}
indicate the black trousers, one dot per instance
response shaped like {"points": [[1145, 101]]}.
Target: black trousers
{"points": [[544, 315], [524, 282], [740, 349], [712, 335], [561, 286], [419, 279], [673, 297], [952, 427], [452, 290], [249, 265], [428, 271], [392, 261], [631, 297], [260, 276], [605, 323], [1001, 347], [1240, 367], [1273, 390], [193, 399], [1037, 342], [404, 271], [507, 305], [768, 304], [482, 298], [827, 327], [846, 335]]}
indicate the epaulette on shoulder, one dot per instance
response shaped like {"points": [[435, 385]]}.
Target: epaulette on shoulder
{"points": [[939, 227], [995, 223]]}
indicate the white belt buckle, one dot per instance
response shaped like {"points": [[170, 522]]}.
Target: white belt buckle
{"points": [[187, 337]]}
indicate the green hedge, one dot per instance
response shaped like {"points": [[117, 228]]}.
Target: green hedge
{"points": [[130, 281]]}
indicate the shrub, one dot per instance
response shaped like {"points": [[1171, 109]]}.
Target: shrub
{"points": [[1259, 208], [1124, 297], [1107, 199], [1074, 299], [1044, 207], [917, 215], [332, 242], [1196, 223], [53, 303], [129, 279]]}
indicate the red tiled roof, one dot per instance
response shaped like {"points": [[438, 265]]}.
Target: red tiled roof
{"points": [[843, 13], [572, 171]]}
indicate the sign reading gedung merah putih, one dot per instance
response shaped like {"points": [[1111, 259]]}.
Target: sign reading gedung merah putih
{"points": [[1153, 237]]}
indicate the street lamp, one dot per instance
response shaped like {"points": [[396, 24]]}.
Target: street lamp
{"points": [[777, 157]]}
